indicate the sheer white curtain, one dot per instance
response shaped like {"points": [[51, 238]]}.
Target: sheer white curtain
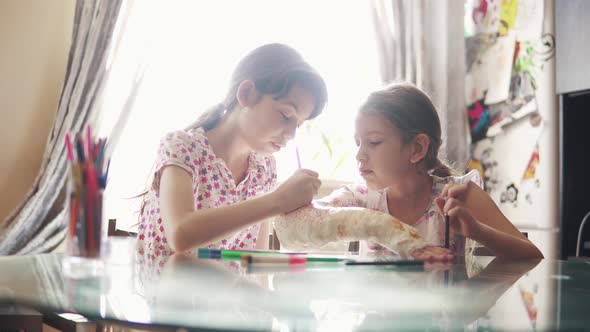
{"points": [[421, 41], [190, 49]]}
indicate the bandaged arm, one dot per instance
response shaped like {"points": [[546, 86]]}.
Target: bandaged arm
{"points": [[316, 225]]}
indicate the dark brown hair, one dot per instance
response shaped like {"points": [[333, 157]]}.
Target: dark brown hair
{"points": [[411, 111], [274, 69]]}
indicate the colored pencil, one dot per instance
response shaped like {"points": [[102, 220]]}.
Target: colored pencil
{"points": [[87, 181], [399, 262]]}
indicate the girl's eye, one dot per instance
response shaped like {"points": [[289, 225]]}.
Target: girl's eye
{"points": [[375, 143], [286, 118]]}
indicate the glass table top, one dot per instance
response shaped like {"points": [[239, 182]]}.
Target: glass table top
{"points": [[481, 294]]}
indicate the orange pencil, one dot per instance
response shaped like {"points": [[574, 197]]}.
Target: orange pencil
{"points": [[73, 216]]}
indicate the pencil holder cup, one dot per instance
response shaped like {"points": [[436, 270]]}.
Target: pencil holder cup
{"points": [[86, 181], [85, 237]]}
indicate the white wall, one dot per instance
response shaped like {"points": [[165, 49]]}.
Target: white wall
{"points": [[34, 43]]}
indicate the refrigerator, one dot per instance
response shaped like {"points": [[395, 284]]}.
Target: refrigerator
{"points": [[513, 112]]}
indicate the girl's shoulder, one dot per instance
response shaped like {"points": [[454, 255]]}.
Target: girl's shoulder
{"points": [[348, 195], [189, 141], [471, 176], [187, 136], [194, 139], [186, 149]]}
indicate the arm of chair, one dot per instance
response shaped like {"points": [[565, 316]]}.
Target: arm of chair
{"points": [[113, 231]]}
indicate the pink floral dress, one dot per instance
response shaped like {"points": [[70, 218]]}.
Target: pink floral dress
{"points": [[213, 186]]}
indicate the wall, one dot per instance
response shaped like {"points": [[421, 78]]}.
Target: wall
{"points": [[34, 43], [571, 29]]}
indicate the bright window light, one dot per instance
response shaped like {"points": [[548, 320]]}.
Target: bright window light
{"points": [[194, 46]]}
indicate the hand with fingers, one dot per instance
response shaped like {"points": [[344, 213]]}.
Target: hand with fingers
{"points": [[451, 203], [298, 190], [433, 254]]}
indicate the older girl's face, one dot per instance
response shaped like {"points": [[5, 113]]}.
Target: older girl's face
{"points": [[382, 156], [270, 123]]}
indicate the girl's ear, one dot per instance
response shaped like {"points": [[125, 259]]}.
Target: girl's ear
{"points": [[247, 94], [420, 145]]}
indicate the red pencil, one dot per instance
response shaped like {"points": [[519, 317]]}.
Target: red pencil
{"points": [[90, 200], [69, 148]]}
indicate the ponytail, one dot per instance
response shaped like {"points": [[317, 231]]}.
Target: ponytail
{"points": [[210, 118], [442, 170]]}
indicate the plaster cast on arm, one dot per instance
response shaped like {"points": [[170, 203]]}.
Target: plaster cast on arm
{"points": [[314, 226]]}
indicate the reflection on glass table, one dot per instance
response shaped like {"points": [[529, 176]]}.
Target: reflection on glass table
{"points": [[182, 291]]}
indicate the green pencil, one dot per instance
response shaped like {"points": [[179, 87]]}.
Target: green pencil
{"points": [[235, 255]]}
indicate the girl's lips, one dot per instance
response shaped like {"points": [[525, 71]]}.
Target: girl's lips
{"points": [[276, 146], [365, 171]]}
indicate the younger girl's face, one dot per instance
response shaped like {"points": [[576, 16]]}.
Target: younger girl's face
{"points": [[382, 156], [271, 123]]}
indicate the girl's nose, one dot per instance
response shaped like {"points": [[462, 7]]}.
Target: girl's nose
{"points": [[289, 132], [361, 155]]}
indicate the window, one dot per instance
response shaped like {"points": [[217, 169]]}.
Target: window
{"points": [[195, 46]]}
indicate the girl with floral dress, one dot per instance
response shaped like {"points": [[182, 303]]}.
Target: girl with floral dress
{"points": [[214, 183]]}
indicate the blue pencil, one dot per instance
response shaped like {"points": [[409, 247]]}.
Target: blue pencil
{"points": [[100, 155], [79, 149]]}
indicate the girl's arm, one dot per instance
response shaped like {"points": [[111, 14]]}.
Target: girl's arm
{"points": [[506, 245], [186, 228], [474, 214], [330, 220]]}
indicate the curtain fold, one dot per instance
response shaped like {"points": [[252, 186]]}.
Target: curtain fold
{"points": [[38, 224], [421, 42]]}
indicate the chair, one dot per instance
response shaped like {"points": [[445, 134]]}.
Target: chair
{"points": [[353, 247], [113, 231], [17, 318], [579, 241], [273, 241], [69, 322]]}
